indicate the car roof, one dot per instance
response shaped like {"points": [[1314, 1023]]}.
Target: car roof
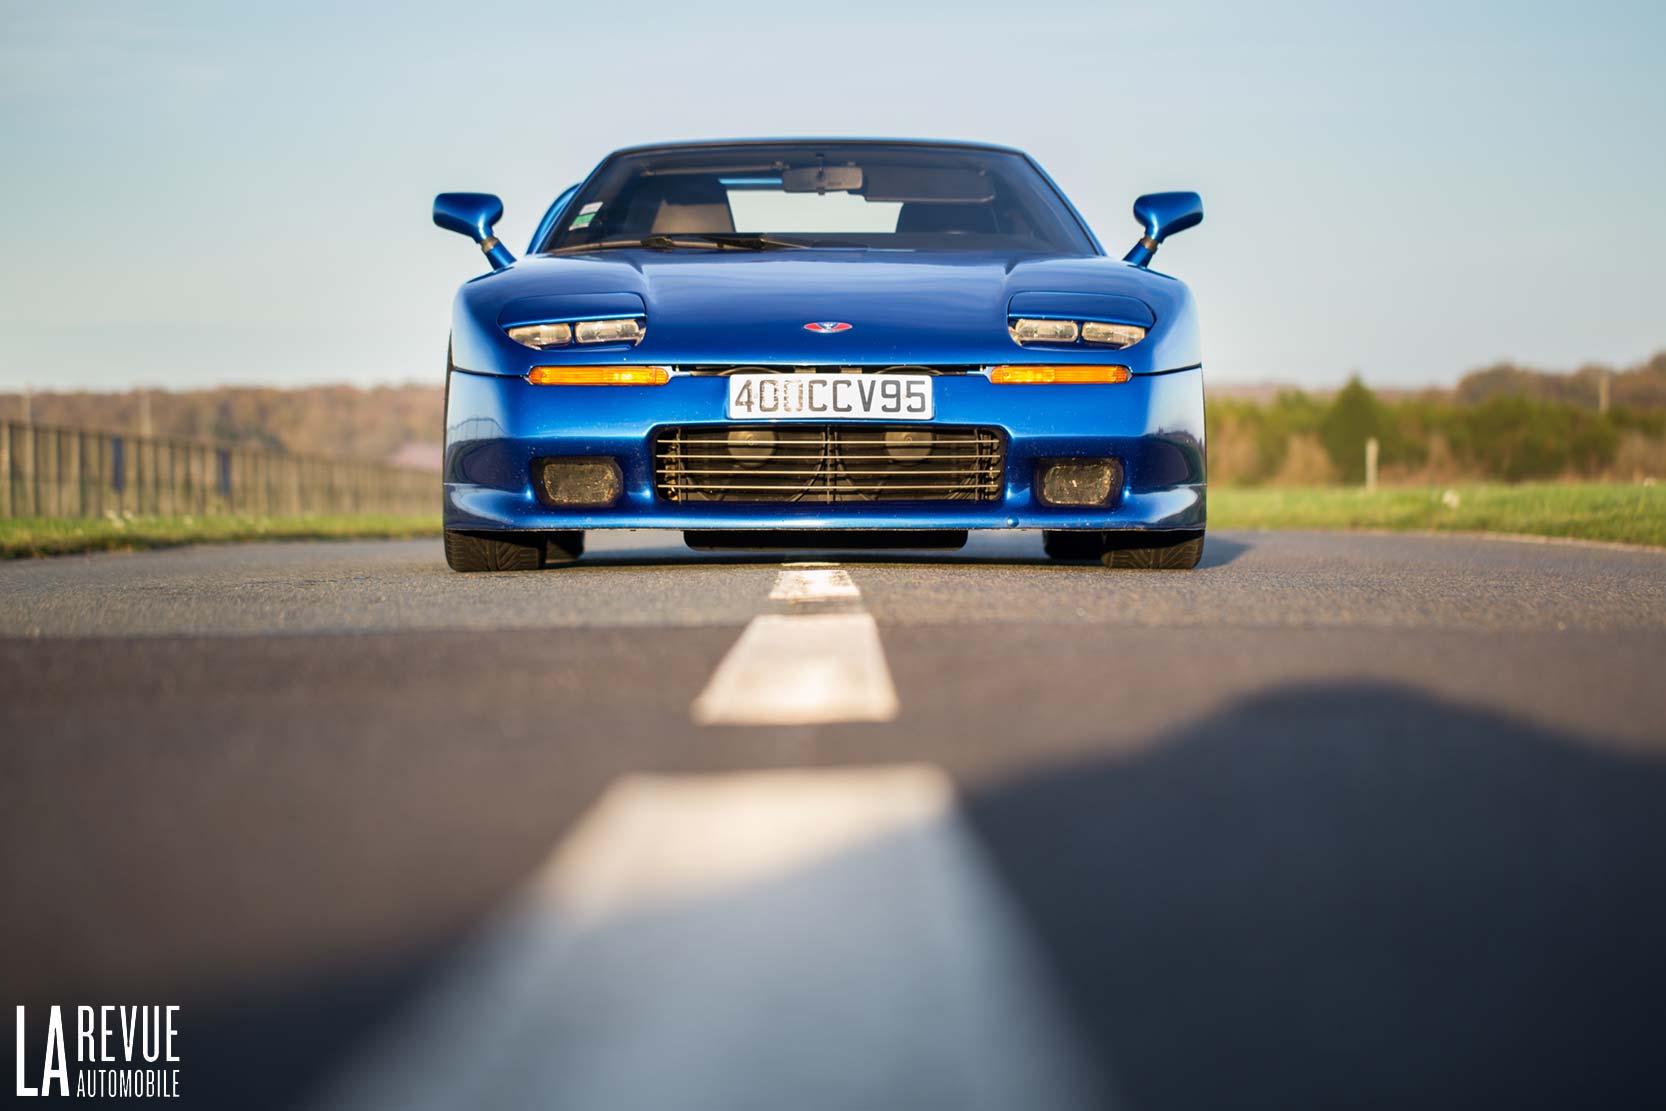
{"points": [[701, 144]]}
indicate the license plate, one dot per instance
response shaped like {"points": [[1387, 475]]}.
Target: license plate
{"points": [[830, 396]]}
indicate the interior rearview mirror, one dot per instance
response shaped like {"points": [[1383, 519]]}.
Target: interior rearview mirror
{"points": [[821, 179]]}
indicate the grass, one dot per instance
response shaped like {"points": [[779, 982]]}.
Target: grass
{"points": [[23, 537], [1626, 513]]}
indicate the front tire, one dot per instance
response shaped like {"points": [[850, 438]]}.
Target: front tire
{"points": [[510, 551], [1128, 551]]}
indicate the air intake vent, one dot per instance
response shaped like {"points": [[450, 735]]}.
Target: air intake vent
{"points": [[820, 463]]}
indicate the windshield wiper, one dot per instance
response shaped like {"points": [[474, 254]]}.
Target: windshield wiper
{"points": [[749, 242], [696, 241]]}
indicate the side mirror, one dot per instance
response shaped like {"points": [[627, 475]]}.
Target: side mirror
{"points": [[1163, 214], [473, 215]]}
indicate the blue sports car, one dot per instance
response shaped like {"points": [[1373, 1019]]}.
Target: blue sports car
{"points": [[822, 343]]}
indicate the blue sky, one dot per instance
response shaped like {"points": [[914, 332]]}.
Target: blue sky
{"points": [[199, 194]]}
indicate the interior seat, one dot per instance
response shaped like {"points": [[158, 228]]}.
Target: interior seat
{"points": [[693, 205]]}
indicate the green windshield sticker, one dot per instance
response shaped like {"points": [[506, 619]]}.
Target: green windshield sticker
{"points": [[582, 220]]}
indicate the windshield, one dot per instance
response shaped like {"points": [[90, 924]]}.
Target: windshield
{"points": [[855, 195]]}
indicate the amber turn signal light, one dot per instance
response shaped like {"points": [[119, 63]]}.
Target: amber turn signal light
{"points": [[1058, 375], [599, 376]]}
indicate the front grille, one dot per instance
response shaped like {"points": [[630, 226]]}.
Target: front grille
{"points": [[818, 463]]}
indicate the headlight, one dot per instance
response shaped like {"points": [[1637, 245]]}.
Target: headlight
{"points": [[1112, 335], [541, 336], [1099, 333], [1044, 331], [609, 331]]}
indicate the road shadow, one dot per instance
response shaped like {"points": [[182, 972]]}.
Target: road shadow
{"points": [[1218, 551], [1352, 896], [1334, 895], [659, 548], [983, 549]]}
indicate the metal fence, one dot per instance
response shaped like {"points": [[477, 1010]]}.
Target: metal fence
{"points": [[46, 471]]}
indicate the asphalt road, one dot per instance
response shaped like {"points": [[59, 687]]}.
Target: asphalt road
{"points": [[1331, 821]]}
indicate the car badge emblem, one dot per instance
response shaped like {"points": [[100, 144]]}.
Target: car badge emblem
{"points": [[826, 326]]}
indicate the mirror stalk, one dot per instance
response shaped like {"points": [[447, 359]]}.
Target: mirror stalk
{"points": [[496, 253], [1142, 252]]}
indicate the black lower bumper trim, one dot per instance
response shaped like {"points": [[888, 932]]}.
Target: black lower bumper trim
{"points": [[708, 540]]}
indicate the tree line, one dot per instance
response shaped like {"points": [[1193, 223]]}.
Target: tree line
{"points": [[1502, 423]]}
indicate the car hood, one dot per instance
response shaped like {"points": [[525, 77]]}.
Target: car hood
{"points": [[901, 306]]}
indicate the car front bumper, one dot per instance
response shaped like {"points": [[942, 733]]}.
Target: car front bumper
{"points": [[496, 426]]}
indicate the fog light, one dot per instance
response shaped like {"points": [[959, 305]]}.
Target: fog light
{"points": [[590, 480], [1078, 481]]}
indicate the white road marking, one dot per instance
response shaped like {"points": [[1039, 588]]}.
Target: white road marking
{"points": [[814, 939], [822, 584], [803, 669], [742, 828]]}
